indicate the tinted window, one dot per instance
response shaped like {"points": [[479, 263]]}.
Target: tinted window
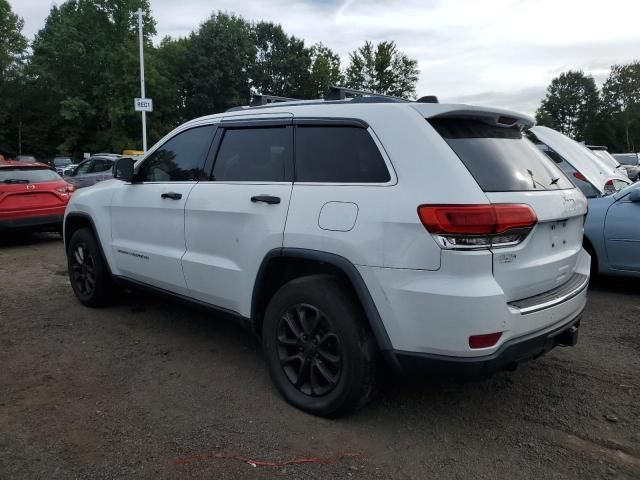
{"points": [[500, 159], [101, 165], [254, 154], [24, 175], [338, 155], [84, 167], [576, 178], [179, 159]]}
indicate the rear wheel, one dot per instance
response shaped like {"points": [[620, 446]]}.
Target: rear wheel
{"points": [[318, 348], [88, 273]]}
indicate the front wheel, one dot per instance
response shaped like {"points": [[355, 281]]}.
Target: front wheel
{"points": [[318, 347], [88, 272]]}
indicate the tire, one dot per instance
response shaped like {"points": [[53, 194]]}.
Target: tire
{"points": [[315, 335], [88, 272]]}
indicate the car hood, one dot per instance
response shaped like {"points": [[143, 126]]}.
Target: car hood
{"points": [[580, 157]]}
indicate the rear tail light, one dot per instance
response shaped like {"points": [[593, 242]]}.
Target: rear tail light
{"points": [[478, 226], [67, 189], [579, 176], [609, 187], [484, 341]]}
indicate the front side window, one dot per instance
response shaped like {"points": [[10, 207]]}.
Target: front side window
{"points": [[257, 154], [84, 167], [180, 159], [338, 154]]}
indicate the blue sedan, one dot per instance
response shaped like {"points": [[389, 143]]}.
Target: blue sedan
{"points": [[612, 232]]}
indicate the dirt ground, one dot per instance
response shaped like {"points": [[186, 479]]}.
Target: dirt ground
{"points": [[152, 389]]}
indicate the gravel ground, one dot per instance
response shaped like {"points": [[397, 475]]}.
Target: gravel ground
{"points": [[154, 389]]}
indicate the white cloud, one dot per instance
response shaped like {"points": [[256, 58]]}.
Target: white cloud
{"points": [[497, 52]]}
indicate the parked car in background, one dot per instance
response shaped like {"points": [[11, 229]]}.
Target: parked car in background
{"points": [[435, 236], [32, 196], [612, 232], [93, 170], [602, 153], [585, 169], [631, 162], [26, 158], [612, 226], [59, 163]]}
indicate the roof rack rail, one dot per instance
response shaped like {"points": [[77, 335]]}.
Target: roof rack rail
{"points": [[341, 93], [259, 100]]}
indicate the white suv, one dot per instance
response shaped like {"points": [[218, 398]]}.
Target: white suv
{"points": [[436, 237]]}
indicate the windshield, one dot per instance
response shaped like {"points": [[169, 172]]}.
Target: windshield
{"points": [[500, 159], [61, 162], [28, 175]]}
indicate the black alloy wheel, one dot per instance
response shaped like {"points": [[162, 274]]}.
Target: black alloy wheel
{"points": [[83, 269], [309, 350]]}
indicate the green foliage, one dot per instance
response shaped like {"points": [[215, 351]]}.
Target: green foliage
{"points": [[13, 46], [621, 97], [571, 105], [325, 71], [282, 63], [215, 65], [75, 92], [382, 69]]}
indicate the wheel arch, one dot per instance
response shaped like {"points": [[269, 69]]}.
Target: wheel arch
{"points": [[74, 222], [284, 264]]}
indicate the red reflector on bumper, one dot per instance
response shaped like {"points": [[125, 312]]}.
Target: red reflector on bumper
{"points": [[484, 341]]}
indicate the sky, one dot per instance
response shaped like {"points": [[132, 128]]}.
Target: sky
{"points": [[501, 53]]}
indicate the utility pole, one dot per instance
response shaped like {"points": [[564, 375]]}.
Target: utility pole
{"points": [[142, 94]]}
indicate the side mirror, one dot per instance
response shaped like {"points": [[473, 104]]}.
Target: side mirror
{"points": [[123, 169], [634, 196]]}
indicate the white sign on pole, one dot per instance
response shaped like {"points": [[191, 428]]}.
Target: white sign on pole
{"points": [[143, 104]]}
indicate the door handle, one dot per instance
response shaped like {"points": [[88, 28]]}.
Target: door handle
{"points": [[266, 199], [171, 195]]}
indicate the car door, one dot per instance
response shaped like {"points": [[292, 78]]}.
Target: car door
{"points": [[147, 216], [622, 234], [101, 170], [236, 217]]}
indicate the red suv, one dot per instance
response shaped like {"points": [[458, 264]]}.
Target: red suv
{"points": [[32, 196]]}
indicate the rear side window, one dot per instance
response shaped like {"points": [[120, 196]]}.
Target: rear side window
{"points": [[254, 155], [179, 159], [338, 154], [500, 159], [24, 175]]}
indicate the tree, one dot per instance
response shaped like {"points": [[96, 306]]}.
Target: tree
{"points": [[13, 47], [325, 70], [86, 58], [382, 69], [13, 43], [571, 105], [282, 63], [621, 98], [216, 62]]}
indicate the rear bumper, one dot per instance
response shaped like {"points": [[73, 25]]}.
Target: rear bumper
{"points": [[507, 357], [31, 222]]}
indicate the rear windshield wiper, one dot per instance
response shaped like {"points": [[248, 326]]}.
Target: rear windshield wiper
{"points": [[15, 180]]}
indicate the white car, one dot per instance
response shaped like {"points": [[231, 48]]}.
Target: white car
{"points": [[434, 236], [603, 154], [586, 166]]}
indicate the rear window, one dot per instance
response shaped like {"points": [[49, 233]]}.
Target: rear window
{"points": [[27, 175], [500, 159], [576, 177]]}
